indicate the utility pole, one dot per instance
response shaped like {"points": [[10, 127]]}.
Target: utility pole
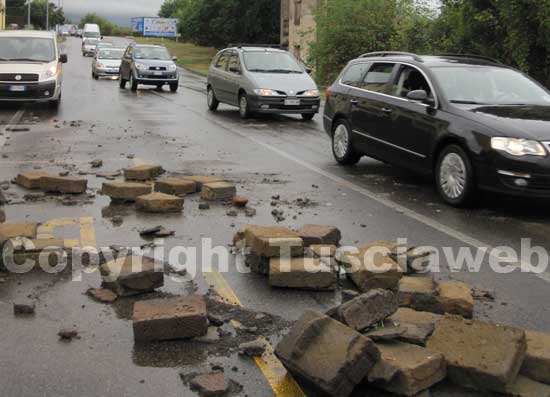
{"points": [[47, 15], [29, 12]]}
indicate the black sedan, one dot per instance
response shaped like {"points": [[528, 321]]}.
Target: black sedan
{"points": [[471, 122]]}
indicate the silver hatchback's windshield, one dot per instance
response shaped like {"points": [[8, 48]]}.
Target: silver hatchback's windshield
{"points": [[152, 53], [26, 49], [483, 85], [271, 62], [110, 53]]}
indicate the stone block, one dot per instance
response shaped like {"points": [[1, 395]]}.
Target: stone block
{"points": [[537, 361], [367, 309], [143, 172], [272, 241], [168, 319], [418, 326], [258, 264], [176, 186], [302, 273], [201, 180], [320, 234], [125, 191], [159, 203], [479, 355], [132, 275], [407, 369], [30, 180], [418, 293], [331, 356], [321, 250], [218, 191], [455, 297], [63, 184], [10, 231], [372, 267], [525, 387]]}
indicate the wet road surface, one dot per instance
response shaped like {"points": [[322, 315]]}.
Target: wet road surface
{"points": [[266, 156]]}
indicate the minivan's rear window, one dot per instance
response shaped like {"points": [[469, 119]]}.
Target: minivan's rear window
{"points": [[27, 49]]}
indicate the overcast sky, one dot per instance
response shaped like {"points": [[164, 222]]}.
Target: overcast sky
{"points": [[118, 11]]}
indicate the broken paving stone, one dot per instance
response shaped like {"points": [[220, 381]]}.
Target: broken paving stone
{"points": [[96, 163], [302, 273], [252, 349], [30, 180], [272, 241], [157, 232], [257, 263], [537, 360], [202, 180], [406, 369], [415, 259], [168, 319], [218, 191], [372, 267], [67, 335], [10, 231], [212, 336], [250, 212], [66, 185], [525, 387], [349, 294], [386, 333], [321, 250], [240, 202], [102, 295], [143, 172], [215, 320], [419, 326], [213, 384], [132, 275], [418, 293], [159, 203], [479, 355], [316, 337], [176, 186], [455, 297], [232, 213], [125, 191], [24, 308], [366, 310], [204, 206], [319, 234]]}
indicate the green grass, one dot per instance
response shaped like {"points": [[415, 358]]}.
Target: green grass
{"points": [[190, 56]]}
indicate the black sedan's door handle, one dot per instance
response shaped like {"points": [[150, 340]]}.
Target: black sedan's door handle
{"points": [[387, 110], [354, 102]]}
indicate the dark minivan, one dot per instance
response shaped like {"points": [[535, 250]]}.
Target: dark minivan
{"points": [[470, 121]]}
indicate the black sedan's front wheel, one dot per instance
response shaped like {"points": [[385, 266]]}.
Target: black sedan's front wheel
{"points": [[455, 177], [342, 146]]}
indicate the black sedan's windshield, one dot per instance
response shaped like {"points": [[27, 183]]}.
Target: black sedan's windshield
{"points": [[271, 62], [26, 49], [108, 53], [151, 53], [482, 85]]}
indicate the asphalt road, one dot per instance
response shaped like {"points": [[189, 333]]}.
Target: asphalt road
{"points": [[266, 156]]}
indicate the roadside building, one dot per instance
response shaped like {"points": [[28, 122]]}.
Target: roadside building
{"points": [[2, 14], [298, 28]]}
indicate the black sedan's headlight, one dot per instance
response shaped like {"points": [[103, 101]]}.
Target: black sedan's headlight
{"points": [[518, 147]]}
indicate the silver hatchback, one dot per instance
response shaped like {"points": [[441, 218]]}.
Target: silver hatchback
{"points": [[261, 80]]}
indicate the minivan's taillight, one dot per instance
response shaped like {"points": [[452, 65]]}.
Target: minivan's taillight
{"points": [[328, 91]]}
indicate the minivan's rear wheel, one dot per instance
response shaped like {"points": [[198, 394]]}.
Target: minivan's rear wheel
{"points": [[308, 116], [244, 109], [454, 176], [211, 99], [133, 82], [342, 147]]}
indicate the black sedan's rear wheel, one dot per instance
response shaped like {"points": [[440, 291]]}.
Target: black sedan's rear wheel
{"points": [[455, 177], [342, 146]]}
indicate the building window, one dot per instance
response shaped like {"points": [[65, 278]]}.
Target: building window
{"points": [[297, 12]]}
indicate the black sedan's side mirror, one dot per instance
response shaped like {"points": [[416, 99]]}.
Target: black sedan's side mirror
{"points": [[420, 96], [63, 58]]}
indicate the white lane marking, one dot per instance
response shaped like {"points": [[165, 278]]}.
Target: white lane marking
{"points": [[485, 248], [12, 123]]}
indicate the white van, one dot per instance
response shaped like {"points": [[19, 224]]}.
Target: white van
{"points": [[91, 31], [30, 66]]}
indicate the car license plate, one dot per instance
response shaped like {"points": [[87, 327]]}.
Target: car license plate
{"points": [[292, 102], [18, 88], [157, 73]]}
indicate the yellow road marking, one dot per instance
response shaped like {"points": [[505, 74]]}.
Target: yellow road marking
{"points": [[282, 383], [87, 232]]}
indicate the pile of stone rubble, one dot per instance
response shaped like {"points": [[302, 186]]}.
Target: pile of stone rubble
{"points": [[401, 331]]}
